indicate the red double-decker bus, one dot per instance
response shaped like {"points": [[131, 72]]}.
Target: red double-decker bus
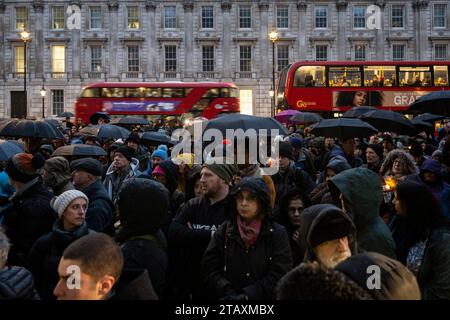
{"points": [[155, 100], [328, 87]]}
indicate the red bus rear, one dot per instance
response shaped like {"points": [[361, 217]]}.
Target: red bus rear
{"points": [[327, 87], [185, 100]]}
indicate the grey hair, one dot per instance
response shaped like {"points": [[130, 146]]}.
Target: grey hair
{"points": [[4, 248]]}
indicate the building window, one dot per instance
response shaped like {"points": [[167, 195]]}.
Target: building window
{"points": [[360, 52], [320, 17], [398, 13], [58, 101], [95, 17], [207, 17], [208, 58], [133, 58], [170, 56], [245, 58], [133, 17], [245, 17], [321, 53], [58, 18], [58, 59], [359, 17], [19, 59], [282, 17], [440, 16], [398, 52], [170, 18], [282, 57], [440, 51], [96, 59], [21, 18]]}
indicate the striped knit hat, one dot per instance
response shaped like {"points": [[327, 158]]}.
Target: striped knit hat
{"points": [[23, 167]]}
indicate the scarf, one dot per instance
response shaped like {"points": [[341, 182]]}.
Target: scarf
{"points": [[249, 231]]}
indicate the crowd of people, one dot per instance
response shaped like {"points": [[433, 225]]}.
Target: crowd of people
{"points": [[143, 224]]}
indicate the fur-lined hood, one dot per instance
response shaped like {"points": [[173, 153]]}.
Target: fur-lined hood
{"points": [[394, 154]]}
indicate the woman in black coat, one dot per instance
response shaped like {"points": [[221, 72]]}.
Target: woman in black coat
{"points": [[45, 254], [249, 253]]}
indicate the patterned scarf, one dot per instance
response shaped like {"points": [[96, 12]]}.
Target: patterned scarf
{"points": [[249, 231]]}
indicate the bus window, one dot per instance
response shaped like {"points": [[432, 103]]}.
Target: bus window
{"points": [[415, 76], [91, 93], [134, 92], [152, 92], [379, 76], [310, 76], [172, 92], [344, 77], [234, 93], [224, 92], [440, 76], [113, 92], [211, 93]]}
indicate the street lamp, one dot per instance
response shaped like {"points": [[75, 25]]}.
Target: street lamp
{"points": [[25, 36], [43, 94], [273, 36]]}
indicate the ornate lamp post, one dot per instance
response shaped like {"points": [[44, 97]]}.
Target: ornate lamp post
{"points": [[43, 94], [25, 36], [273, 36]]}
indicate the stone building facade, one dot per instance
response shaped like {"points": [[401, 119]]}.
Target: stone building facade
{"points": [[76, 42]]}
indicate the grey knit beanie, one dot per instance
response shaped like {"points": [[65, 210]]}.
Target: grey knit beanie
{"points": [[61, 202]]}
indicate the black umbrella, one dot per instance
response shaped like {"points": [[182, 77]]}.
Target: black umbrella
{"points": [[104, 132], [437, 102], [429, 117], [29, 129], [66, 114], [79, 150], [343, 128], [306, 118], [153, 137], [356, 112], [8, 149], [130, 121], [242, 121], [53, 122], [391, 121], [94, 117], [422, 125]]}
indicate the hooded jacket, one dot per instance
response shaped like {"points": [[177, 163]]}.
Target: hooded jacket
{"points": [[386, 167], [433, 166], [112, 177], [311, 219], [229, 265], [58, 175], [16, 283], [396, 281], [362, 192], [134, 284]]}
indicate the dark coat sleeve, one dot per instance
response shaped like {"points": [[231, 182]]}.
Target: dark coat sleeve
{"points": [[38, 254], [99, 215]]}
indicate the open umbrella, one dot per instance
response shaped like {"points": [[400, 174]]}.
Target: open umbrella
{"points": [[286, 115], [437, 102], [242, 121], [391, 121], [79, 150], [104, 132], [66, 114], [306, 118], [155, 138], [8, 149], [129, 121], [53, 122], [429, 117], [29, 129], [94, 117], [356, 112], [422, 125], [343, 128]]}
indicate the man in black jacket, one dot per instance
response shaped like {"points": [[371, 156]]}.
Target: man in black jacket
{"points": [[193, 227], [86, 175]]}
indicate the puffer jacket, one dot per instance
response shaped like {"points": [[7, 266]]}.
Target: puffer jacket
{"points": [[16, 283]]}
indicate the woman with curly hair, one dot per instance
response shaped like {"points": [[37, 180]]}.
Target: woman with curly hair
{"points": [[398, 164]]}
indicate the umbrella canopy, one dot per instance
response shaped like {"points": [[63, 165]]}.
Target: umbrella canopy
{"points": [[53, 122], [130, 121], [242, 121], [29, 129], [94, 117], [66, 115], [391, 121], [356, 112], [429, 117], [437, 102], [80, 150], [153, 137], [343, 128], [8, 149], [21, 145], [286, 115], [306, 118], [104, 131], [422, 125]]}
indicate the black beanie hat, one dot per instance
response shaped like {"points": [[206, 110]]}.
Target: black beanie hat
{"points": [[126, 151], [23, 167], [378, 148], [285, 150], [332, 226]]}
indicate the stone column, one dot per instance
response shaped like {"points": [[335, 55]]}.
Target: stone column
{"points": [[113, 43], [75, 43], [302, 45], [188, 6], [226, 40], [150, 36], [266, 66], [379, 38], [341, 6], [38, 42], [420, 28], [2, 40]]}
